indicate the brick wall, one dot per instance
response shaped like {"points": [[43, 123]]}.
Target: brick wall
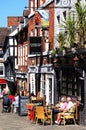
{"points": [[12, 21]]}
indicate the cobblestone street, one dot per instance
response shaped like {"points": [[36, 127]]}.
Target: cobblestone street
{"points": [[11, 121]]}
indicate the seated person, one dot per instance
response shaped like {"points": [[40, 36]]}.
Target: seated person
{"points": [[70, 104], [60, 106]]}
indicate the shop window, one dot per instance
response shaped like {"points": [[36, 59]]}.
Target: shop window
{"points": [[70, 83], [50, 90], [42, 89], [1, 70]]}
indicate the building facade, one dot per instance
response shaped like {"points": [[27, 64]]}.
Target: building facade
{"points": [[3, 83], [37, 70], [10, 60]]}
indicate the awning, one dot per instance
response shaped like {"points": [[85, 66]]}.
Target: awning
{"points": [[3, 81]]}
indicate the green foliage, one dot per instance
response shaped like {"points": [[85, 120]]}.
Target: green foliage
{"points": [[81, 21], [61, 38], [53, 52], [74, 27], [70, 29]]}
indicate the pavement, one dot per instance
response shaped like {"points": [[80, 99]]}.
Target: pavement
{"points": [[12, 121]]}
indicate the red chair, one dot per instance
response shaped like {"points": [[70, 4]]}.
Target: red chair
{"points": [[30, 108]]}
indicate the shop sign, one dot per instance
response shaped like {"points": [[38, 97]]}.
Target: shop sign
{"points": [[46, 70], [32, 69], [32, 83], [35, 45]]}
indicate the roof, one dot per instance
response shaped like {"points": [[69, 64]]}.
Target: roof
{"points": [[4, 31], [21, 19]]}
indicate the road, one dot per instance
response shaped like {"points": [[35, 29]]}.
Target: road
{"points": [[12, 121]]}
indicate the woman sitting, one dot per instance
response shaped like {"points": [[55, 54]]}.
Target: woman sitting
{"points": [[70, 104], [60, 107]]}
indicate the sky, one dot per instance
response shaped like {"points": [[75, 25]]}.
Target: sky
{"points": [[11, 8]]}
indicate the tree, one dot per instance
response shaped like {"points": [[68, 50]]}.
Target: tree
{"points": [[70, 29], [61, 38], [81, 21]]}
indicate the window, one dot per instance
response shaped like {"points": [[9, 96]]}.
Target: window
{"points": [[64, 15], [32, 6], [70, 83], [23, 55], [1, 51], [1, 70], [50, 90], [42, 92], [58, 19]]}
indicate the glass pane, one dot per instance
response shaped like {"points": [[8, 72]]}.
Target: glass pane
{"points": [[70, 86], [50, 90]]}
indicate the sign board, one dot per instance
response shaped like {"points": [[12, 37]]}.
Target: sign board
{"points": [[37, 102], [32, 83], [35, 45], [23, 100], [42, 18]]}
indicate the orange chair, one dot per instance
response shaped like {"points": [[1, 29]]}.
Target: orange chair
{"points": [[30, 107], [42, 115]]}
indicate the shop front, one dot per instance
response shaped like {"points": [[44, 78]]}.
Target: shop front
{"points": [[3, 84], [47, 83], [42, 80], [70, 77]]}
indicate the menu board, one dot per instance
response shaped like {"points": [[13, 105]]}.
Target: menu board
{"points": [[23, 100], [37, 102]]}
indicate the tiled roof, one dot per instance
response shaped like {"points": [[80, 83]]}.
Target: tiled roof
{"points": [[21, 19], [4, 31]]}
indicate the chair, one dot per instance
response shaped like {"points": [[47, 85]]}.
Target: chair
{"points": [[49, 114], [42, 115], [30, 111], [70, 115]]}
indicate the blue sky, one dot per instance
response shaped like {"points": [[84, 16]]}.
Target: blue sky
{"points": [[11, 8]]}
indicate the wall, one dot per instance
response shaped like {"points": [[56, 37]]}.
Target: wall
{"points": [[12, 21]]}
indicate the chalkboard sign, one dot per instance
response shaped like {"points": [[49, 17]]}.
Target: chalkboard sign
{"points": [[23, 100], [37, 102]]}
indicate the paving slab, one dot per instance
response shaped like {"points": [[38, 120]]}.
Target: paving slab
{"points": [[12, 121]]}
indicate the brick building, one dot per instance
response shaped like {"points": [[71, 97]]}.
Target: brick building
{"points": [[36, 69], [3, 34]]}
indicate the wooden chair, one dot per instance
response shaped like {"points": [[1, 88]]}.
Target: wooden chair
{"points": [[42, 115], [70, 115], [49, 114]]}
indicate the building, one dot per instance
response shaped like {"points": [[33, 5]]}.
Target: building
{"points": [[10, 60], [70, 66], [3, 83], [37, 69], [22, 36]]}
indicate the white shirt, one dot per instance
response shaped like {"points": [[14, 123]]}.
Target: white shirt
{"points": [[70, 104], [16, 102]]}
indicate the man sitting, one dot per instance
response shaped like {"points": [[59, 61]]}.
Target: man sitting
{"points": [[60, 107], [70, 104]]}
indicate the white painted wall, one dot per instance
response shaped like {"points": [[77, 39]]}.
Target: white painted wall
{"points": [[59, 11]]}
